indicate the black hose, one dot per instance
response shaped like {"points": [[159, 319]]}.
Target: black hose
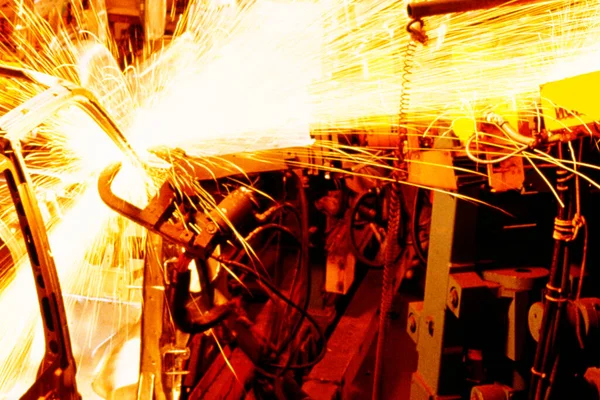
{"points": [[276, 227], [198, 323], [556, 292], [547, 326], [416, 240]]}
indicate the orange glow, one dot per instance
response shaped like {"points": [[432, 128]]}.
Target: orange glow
{"points": [[260, 76]]}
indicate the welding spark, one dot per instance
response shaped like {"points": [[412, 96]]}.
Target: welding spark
{"points": [[262, 75]]}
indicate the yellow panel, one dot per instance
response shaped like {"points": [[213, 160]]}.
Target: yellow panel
{"points": [[432, 169], [571, 102]]}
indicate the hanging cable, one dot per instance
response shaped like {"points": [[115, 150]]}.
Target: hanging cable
{"points": [[304, 243], [276, 292], [557, 289], [304, 268]]}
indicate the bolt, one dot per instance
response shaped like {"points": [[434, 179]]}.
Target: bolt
{"points": [[412, 323], [429, 323], [453, 298], [211, 228]]}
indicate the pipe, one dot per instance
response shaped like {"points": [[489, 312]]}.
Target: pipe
{"points": [[197, 323], [422, 9], [510, 131]]}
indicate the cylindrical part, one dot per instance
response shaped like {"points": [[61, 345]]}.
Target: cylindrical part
{"points": [[422, 9], [382, 140], [234, 209]]}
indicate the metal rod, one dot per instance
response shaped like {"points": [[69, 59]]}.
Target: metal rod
{"points": [[422, 9]]}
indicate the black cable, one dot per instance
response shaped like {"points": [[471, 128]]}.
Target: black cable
{"points": [[287, 300], [305, 266], [286, 230], [240, 251], [416, 242], [555, 295], [304, 242], [353, 246]]}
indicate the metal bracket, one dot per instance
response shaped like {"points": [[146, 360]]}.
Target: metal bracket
{"points": [[58, 370]]}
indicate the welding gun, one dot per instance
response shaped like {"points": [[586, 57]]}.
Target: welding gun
{"points": [[209, 230], [198, 242], [156, 216]]}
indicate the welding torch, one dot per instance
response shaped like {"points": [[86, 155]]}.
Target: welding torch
{"points": [[421, 9]]}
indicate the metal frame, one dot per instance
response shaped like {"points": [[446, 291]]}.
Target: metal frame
{"points": [[59, 93], [150, 384], [450, 251], [58, 367]]}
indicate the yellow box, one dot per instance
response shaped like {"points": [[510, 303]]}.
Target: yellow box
{"points": [[571, 102]]}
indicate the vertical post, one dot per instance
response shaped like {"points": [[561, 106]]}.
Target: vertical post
{"points": [[150, 383], [451, 246], [153, 14]]}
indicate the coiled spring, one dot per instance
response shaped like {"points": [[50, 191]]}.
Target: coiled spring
{"points": [[394, 207]]}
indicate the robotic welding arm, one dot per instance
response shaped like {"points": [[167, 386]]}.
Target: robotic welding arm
{"points": [[198, 234], [156, 216], [198, 244]]}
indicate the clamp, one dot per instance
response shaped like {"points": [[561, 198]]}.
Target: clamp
{"points": [[211, 229]]}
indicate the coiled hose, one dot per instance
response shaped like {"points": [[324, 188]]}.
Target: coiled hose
{"points": [[394, 209]]}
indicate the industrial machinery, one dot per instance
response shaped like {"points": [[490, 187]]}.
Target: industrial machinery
{"points": [[387, 260], [473, 311]]}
